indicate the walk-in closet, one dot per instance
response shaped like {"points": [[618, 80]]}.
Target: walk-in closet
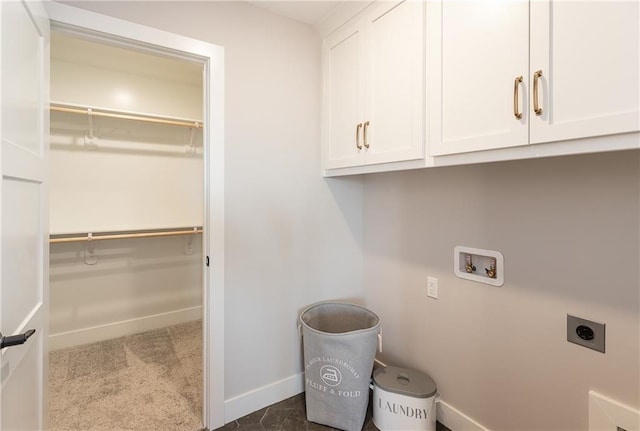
{"points": [[126, 216]]}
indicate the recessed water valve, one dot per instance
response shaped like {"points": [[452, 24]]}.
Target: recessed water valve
{"points": [[466, 259]]}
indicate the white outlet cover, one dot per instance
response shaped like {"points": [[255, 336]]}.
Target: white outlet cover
{"points": [[432, 287]]}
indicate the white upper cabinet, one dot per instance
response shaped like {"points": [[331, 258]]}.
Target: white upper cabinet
{"points": [[373, 74], [394, 81], [589, 55], [484, 49], [495, 62], [343, 110]]}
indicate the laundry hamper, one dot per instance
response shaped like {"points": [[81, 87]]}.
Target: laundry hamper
{"points": [[339, 342], [403, 400]]}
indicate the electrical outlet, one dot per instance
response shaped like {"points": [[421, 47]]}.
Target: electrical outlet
{"points": [[586, 333], [432, 287]]}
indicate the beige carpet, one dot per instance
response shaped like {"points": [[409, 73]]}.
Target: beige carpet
{"points": [[148, 381]]}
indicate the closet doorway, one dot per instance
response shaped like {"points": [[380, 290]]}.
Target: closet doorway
{"points": [[128, 208]]}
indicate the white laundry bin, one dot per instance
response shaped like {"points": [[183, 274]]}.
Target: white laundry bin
{"points": [[403, 400]]}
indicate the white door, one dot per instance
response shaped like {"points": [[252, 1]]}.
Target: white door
{"points": [[482, 51], [394, 89], [589, 55], [24, 129], [343, 63]]}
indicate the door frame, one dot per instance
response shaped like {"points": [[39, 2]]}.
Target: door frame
{"points": [[137, 36]]}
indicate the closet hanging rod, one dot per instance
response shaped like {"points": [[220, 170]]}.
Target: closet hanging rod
{"points": [[100, 237], [149, 119]]}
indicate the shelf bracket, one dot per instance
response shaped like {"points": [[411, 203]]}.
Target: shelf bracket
{"points": [[90, 252], [90, 141], [188, 248], [191, 148]]}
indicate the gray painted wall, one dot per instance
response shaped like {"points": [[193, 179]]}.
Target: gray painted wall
{"points": [[569, 230]]}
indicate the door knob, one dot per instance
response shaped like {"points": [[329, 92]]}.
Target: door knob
{"points": [[15, 340]]}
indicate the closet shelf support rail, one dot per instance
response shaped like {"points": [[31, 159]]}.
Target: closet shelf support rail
{"points": [[147, 234], [123, 116]]}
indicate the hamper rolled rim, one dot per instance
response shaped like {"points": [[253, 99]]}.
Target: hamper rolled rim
{"points": [[318, 304]]}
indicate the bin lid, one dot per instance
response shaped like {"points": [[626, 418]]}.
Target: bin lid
{"points": [[404, 381]]}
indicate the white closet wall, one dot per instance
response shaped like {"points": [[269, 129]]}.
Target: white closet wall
{"points": [[84, 72], [137, 176]]}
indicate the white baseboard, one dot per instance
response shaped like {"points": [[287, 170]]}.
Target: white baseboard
{"points": [[455, 420], [264, 396], [267, 395], [125, 327]]}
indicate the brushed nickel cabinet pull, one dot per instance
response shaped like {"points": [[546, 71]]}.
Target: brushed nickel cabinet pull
{"points": [[358, 127], [516, 83], [536, 107], [364, 134]]}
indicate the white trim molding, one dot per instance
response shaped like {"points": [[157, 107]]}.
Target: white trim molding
{"points": [[606, 414], [455, 420], [264, 396], [92, 334]]}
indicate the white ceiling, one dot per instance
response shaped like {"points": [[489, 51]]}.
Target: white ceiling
{"points": [[308, 11]]}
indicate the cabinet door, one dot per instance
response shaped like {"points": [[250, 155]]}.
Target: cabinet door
{"points": [[588, 52], [343, 78], [477, 51], [394, 88]]}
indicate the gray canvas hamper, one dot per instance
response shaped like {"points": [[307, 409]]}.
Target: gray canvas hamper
{"points": [[339, 343]]}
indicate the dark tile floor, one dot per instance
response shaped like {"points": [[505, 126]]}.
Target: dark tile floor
{"points": [[290, 415]]}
